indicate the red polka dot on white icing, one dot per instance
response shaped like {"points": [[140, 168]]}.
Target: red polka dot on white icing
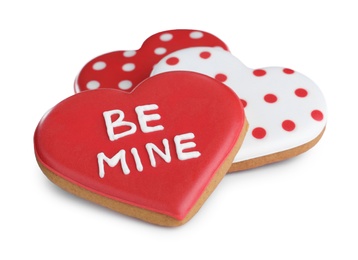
{"points": [[125, 84], [288, 125], [205, 55], [93, 84], [99, 65], [166, 37], [270, 98], [160, 51], [317, 115], [259, 72], [259, 133], [221, 77], [129, 54], [301, 92], [196, 35], [288, 71], [172, 61], [128, 67]]}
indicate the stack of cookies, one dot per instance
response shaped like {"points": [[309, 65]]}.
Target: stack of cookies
{"points": [[150, 133]]}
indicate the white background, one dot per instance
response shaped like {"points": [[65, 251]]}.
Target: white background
{"points": [[302, 208]]}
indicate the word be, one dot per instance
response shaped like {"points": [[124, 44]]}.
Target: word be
{"points": [[142, 119]]}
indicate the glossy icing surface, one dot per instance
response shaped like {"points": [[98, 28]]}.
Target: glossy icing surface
{"points": [[157, 147], [284, 108], [126, 69]]}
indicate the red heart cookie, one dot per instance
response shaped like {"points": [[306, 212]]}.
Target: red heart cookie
{"points": [[126, 69], [156, 153]]}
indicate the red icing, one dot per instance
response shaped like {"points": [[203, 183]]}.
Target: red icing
{"points": [[69, 137], [135, 67]]}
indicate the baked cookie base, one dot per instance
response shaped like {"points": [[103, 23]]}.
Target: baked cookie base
{"points": [[275, 157], [140, 213]]}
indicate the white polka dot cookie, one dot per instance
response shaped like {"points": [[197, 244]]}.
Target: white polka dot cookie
{"points": [[125, 69], [286, 111]]}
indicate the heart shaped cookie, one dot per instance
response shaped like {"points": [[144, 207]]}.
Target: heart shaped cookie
{"points": [[155, 153], [285, 109], [126, 69]]}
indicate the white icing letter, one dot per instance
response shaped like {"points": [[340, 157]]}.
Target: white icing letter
{"points": [[182, 146], [138, 162], [121, 155], [119, 122], [166, 156], [143, 119]]}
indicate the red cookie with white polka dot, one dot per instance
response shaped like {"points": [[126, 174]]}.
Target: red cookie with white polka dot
{"points": [[155, 154], [126, 69], [285, 109]]}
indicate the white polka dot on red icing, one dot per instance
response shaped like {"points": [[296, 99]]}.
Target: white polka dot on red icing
{"points": [[128, 67], [125, 84], [160, 51], [93, 84], [129, 54], [196, 35], [99, 65], [166, 37]]}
